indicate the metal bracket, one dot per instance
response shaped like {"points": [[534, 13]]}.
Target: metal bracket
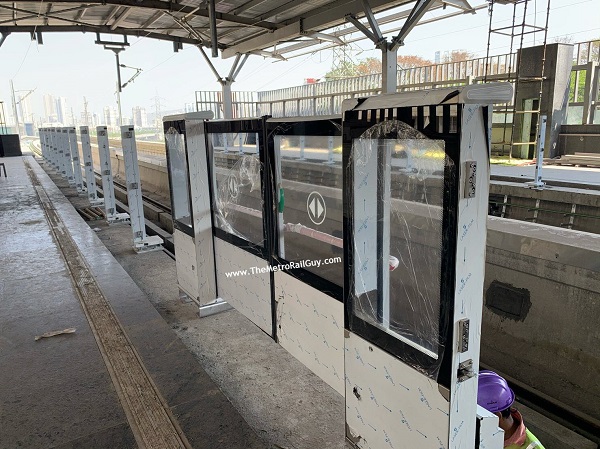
{"points": [[470, 179], [465, 371], [463, 335]]}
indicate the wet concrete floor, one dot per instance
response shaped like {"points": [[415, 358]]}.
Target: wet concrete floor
{"points": [[57, 392]]}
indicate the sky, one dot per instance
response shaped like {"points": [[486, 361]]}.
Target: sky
{"points": [[72, 66]]}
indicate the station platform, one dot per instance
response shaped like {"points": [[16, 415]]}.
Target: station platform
{"points": [[210, 382], [118, 376]]}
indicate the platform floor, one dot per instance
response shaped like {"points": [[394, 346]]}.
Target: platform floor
{"points": [[122, 379]]}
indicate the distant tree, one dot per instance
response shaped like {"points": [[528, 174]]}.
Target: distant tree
{"points": [[345, 69], [566, 39], [369, 66], [459, 55], [410, 61]]}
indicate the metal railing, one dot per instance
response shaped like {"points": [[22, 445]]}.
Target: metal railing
{"points": [[326, 98], [244, 103]]}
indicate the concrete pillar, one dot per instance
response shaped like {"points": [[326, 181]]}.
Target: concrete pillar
{"points": [[227, 98]]}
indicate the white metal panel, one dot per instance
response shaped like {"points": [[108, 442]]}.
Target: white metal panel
{"points": [[470, 269], [141, 242], [250, 294], [108, 188], [187, 270], [365, 213], [67, 163], [134, 187], [490, 435], [88, 163], [389, 404], [310, 326], [74, 154], [201, 210]]}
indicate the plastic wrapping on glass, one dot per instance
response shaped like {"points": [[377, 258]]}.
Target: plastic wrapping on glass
{"points": [[178, 168], [309, 202], [238, 201], [397, 212]]}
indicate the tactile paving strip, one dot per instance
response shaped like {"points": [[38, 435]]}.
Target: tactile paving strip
{"points": [[148, 414]]}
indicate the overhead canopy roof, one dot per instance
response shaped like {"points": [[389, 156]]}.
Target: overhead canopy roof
{"points": [[277, 28]]}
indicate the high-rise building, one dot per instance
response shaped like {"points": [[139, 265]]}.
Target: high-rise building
{"points": [[111, 118], [140, 118], [61, 110], [24, 109], [49, 108]]}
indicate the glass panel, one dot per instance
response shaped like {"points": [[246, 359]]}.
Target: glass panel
{"points": [[179, 177], [310, 203], [236, 168], [397, 215]]}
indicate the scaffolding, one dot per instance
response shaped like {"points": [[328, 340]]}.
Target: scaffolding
{"points": [[522, 118]]}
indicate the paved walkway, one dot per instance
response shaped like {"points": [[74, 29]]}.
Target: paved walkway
{"points": [[121, 378]]}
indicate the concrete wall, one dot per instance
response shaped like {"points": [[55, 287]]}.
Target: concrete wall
{"points": [[579, 139], [555, 91], [153, 173], [542, 310]]}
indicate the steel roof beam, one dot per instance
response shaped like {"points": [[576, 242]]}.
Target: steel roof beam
{"points": [[460, 4], [391, 30], [36, 15], [113, 13], [46, 16], [420, 8], [48, 10], [214, 38], [160, 5], [317, 20], [246, 6], [81, 13], [157, 15], [372, 20], [97, 29], [121, 17], [363, 29], [326, 37], [265, 40]]}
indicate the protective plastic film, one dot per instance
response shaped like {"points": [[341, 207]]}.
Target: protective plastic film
{"points": [[397, 213], [310, 203], [238, 207], [178, 171]]}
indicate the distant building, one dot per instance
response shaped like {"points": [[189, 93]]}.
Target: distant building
{"points": [[50, 108], [111, 117], [24, 109], [61, 110], [140, 119]]}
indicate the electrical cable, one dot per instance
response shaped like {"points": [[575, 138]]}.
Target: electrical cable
{"points": [[29, 46]]}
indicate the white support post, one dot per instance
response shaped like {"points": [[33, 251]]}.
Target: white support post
{"points": [[74, 155], [65, 153], [302, 145], [88, 163], [386, 169], [329, 151], [141, 241], [49, 149], [41, 131], [108, 188], [46, 147], [539, 160], [56, 162]]}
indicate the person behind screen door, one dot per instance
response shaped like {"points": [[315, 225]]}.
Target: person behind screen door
{"points": [[494, 395]]}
